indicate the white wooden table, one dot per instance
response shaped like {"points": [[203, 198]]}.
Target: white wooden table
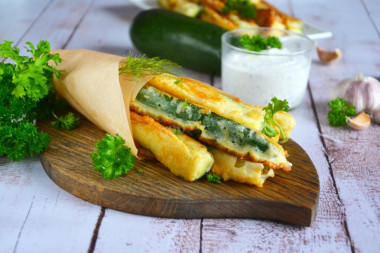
{"points": [[37, 216]]}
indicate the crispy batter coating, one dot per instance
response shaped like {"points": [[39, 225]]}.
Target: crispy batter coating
{"points": [[184, 156]]}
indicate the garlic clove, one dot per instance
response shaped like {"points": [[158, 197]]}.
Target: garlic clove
{"points": [[327, 57], [360, 122]]}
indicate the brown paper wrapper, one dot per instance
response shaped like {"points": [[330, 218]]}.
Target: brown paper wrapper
{"points": [[92, 85]]}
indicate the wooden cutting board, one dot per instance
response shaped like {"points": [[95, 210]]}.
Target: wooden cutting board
{"points": [[288, 197]]}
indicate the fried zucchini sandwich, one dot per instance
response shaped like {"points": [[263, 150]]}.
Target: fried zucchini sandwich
{"points": [[230, 129], [187, 125]]}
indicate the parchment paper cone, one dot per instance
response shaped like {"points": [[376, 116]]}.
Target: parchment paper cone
{"points": [[92, 85]]}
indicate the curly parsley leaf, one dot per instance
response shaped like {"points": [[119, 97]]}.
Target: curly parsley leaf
{"points": [[243, 7], [258, 43], [22, 141], [67, 122], [26, 94], [177, 131], [185, 103], [340, 111], [178, 82], [31, 74], [214, 178], [112, 158], [276, 106], [141, 64]]}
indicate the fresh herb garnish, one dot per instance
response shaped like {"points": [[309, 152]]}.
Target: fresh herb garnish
{"points": [[177, 131], [258, 43], [67, 122], [139, 170], [112, 158], [340, 111], [270, 110], [22, 140], [141, 64], [214, 178], [26, 94], [185, 104], [179, 81], [243, 7]]}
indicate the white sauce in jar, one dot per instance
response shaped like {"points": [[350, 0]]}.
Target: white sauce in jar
{"points": [[256, 78]]}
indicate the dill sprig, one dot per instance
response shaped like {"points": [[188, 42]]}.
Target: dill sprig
{"points": [[142, 64]]}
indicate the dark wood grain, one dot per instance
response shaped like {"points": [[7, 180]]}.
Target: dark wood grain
{"points": [[288, 197]]}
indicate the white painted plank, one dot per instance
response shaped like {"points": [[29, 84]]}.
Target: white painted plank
{"points": [[106, 28], [354, 156], [123, 232], [373, 8], [57, 23], [327, 233], [17, 16], [35, 214]]}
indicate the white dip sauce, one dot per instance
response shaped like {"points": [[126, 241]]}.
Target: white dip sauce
{"points": [[256, 78]]}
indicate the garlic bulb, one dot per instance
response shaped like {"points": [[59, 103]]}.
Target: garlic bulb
{"points": [[362, 91]]}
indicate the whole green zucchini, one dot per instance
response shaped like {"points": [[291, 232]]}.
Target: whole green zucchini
{"points": [[189, 42]]}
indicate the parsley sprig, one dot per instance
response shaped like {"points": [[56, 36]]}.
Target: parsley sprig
{"points": [[137, 65], [340, 111], [213, 178], [67, 122], [112, 158], [185, 103], [22, 140], [177, 131], [258, 43], [31, 74], [26, 94], [276, 106], [243, 7], [179, 81]]}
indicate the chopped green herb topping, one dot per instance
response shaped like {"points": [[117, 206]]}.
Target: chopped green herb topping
{"points": [[243, 7], [185, 104], [258, 43], [179, 81], [177, 131]]}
